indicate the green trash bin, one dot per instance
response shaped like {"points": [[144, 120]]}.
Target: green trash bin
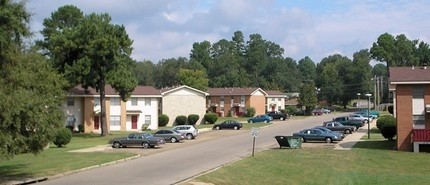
{"points": [[289, 141]]}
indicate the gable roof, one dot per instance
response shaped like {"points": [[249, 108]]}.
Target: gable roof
{"points": [[138, 91], [234, 91], [409, 75], [172, 89]]}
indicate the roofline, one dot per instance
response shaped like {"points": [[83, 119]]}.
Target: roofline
{"points": [[411, 82], [132, 96], [264, 92], [184, 86]]}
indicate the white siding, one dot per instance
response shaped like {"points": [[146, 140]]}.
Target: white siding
{"points": [[151, 110], [76, 110], [184, 101]]}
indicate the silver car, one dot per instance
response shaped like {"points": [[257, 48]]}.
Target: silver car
{"points": [[190, 131], [359, 117]]}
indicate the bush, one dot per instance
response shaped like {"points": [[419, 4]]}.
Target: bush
{"points": [[163, 120], [211, 117], [389, 130], [250, 112], [385, 120], [291, 110], [181, 120], [193, 118], [81, 128], [390, 109], [62, 137], [70, 127]]}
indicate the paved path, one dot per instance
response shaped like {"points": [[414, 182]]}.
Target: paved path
{"points": [[352, 139]]}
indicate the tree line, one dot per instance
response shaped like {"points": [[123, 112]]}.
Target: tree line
{"points": [[89, 50]]}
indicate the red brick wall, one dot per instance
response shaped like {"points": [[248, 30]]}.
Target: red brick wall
{"points": [[404, 117]]}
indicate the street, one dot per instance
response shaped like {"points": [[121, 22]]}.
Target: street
{"points": [[176, 165]]}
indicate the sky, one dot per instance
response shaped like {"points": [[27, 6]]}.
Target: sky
{"points": [[164, 29]]}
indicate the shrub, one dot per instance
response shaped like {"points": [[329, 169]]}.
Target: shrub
{"points": [[240, 114], [250, 112], [181, 120], [385, 120], [193, 118], [390, 109], [388, 130], [211, 117], [145, 127], [81, 128], [291, 110], [70, 127], [163, 120], [62, 137]]}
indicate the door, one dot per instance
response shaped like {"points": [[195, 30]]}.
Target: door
{"points": [[236, 111], [134, 122], [96, 122]]}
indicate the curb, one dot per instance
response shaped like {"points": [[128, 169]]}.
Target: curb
{"points": [[41, 179]]}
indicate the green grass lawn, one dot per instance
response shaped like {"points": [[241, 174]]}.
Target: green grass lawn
{"points": [[56, 160], [369, 162]]}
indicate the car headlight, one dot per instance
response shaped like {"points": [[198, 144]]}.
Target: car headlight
{"points": [[335, 137]]}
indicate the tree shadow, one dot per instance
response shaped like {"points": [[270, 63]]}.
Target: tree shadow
{"points": [[13, 172]]}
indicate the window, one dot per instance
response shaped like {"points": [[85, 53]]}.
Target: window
{"points": [[96, 101], [279, 99], [221, 101], [114, 101], [418, 106], [279, 108], [147, 119], [133, 101], [115, 120], [419, 120], [70, 101], [147, 101], [273, 99]]}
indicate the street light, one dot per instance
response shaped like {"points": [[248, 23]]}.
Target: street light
{"points": [[368, 114], [358, 103]]}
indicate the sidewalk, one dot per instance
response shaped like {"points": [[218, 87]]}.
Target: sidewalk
{"points": [[349, 141]]}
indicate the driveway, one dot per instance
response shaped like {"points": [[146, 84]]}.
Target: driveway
{"points": [[177, 162]]}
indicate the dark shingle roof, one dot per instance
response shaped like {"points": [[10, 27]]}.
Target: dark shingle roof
{"points": [[409, 75], [139, 90]]}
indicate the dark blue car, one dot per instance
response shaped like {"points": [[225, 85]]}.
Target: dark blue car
{"points": [[314, 134], [260, 118]]}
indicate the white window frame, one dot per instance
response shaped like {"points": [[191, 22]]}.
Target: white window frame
{"points": [[147, 120], [134, 101], [115, 120], [115, 101], [96, 101], [147, 101]]}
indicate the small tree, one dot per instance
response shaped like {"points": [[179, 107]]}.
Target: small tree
{"points": [[181, 120], [389, 130], [250, 112], [163, 120], [193, 118], [385, 120], [211, 117], [62, 137]]}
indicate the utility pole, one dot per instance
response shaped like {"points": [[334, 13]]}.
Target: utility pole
{"points": [[377, 95], [375, 82]]}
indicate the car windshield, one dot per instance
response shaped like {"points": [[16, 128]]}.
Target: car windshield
{"points": [[147, 135]]}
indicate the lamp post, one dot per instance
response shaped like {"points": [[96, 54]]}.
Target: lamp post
{"points": [[358, 103], [368, 114]]}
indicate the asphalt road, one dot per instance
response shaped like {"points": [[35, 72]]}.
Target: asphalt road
{"points": [[176, 165]]}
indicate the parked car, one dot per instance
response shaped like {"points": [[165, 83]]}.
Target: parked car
{"points": [[372, 113], [260, 118], [146, 140], [364, 114], [316, 135], [336, 126], [324, 129], [228, 124], [300, 113], [190, 131], [278, 115], [346, 121], [170, 135], [317, 112], [360, 117]]}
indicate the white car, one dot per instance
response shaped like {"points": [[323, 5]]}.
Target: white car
{"points": [[190, 131], [360, 117]]}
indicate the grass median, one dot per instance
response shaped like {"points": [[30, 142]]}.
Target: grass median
{"points": [[370, 162], [54, 160]]}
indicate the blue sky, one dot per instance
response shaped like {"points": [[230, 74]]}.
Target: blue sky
{"points": [[163, 29]]}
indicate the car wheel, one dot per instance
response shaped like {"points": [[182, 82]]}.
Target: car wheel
{"points": [[303, 140], [281, 118], [328, 140], [173, 140], [116, 145], [250, 121], [265, 121], [347, 131], [235, 127], [189, 136], [145, 145], [217, 128]]}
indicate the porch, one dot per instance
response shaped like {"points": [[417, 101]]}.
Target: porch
{"points": [[420, 137]]}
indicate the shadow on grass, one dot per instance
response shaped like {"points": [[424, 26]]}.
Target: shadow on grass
{"points": [[12, 173], [376, 144]]}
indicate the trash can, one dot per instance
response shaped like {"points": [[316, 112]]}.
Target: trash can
{"points": [[289, 141]]}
